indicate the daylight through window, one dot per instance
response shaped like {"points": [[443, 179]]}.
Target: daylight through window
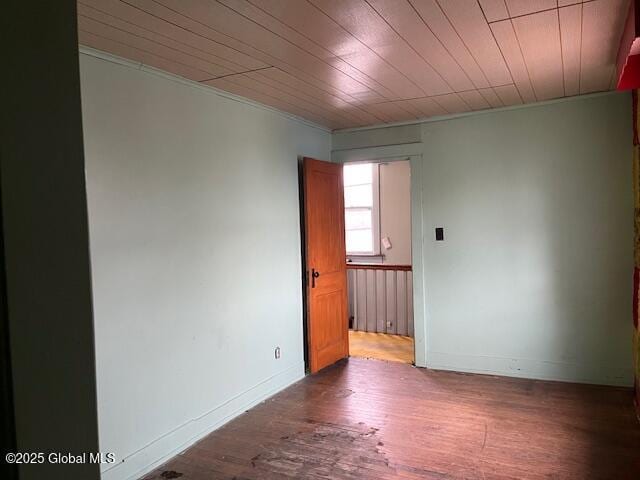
{"points": [[359, 202]]}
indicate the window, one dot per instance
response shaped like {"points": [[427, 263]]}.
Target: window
{"points": [[362, 223]]}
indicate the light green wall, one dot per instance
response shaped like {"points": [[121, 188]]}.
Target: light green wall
{"points": [[534, 276], [195, 252]]}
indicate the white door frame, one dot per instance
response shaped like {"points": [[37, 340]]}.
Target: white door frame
{"points": [[413, 153]]}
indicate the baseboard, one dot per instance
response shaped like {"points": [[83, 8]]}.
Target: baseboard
{"points": [[162, 449], [535, 369]]}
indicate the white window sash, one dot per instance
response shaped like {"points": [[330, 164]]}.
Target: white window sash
{"points": [[375, 213]]}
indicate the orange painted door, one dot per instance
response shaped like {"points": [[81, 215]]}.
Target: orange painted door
{"points": [[326, 280]]}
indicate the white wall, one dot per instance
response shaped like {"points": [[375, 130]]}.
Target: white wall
{"points": [[395, 211], [534, 276], [195, 248]]}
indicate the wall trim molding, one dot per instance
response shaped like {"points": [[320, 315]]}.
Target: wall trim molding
{"points": [[453, 116], [531, 369], [109, 57], [418, 263], [158, 451], [92, 52], [380, 153]]}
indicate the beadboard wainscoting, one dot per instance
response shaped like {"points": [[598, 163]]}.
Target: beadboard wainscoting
{"points": [[381, 298]]}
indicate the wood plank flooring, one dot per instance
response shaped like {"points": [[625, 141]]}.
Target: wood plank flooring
{"points": [[394, 348], [368, 419]]}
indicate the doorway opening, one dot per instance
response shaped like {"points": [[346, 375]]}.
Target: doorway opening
{"points": [[357, 254], [377, 200]]}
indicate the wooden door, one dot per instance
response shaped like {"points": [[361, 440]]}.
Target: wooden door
{"points": [[326, 273]]}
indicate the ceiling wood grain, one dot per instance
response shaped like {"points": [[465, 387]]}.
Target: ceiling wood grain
{"points": [[349, 63]]}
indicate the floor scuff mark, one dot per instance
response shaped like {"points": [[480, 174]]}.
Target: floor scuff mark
{"points": [[484, 441], [325, 451], [169, 474]]}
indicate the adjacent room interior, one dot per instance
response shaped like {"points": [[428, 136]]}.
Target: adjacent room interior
{"points": [[301, 239], [377, 199]]}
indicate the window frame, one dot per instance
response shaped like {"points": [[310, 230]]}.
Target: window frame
{"points": [[375, 212]]}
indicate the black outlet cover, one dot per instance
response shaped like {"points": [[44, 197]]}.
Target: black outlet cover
{"points": [[439, 234]]}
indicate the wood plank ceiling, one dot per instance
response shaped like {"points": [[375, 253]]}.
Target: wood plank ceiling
{"points": [[348, 63]]}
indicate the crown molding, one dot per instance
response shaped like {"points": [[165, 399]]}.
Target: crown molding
{"points": [[92, 52], [452, 116]]}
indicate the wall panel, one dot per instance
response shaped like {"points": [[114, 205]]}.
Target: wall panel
{"points": [[381, 301]]}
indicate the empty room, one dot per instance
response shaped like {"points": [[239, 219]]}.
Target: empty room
{"points": [[305, 239]]}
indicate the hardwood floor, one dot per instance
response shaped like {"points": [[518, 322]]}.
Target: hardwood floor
{"points": [[367, 419], [394, 348]]}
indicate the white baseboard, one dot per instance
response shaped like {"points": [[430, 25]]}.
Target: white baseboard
{"points": [[535, 369], [162, 449]]}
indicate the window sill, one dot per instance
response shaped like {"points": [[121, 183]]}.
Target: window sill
{"points": [[366, 259]]}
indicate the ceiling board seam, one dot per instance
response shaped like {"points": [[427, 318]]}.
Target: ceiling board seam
{"points": [[524, 14], [421, 112], [398, 105], [192, 32], [145, 51], [410, 46], [401, 107], [306, 51], [315, 99], [314, 114], [352, 106], [581, 41], [524, 60], [506, 5], [564, 83], [322, 108], [165, 36], [157, 43], [332, 53], [442, 106], [111, 58], [612, 76], [236, 73], [502, 99], [442, 118], [425, 110], [441, 94], [464, 43], [493, 89], [363, 108], [485, 98], [463, 100], [539, 11], [444, 46], [367, 47], [501, 53], [386, 119], [353, 101]]}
